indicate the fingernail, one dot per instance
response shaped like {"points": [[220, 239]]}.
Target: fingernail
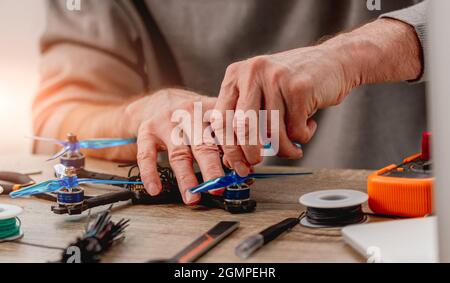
{"points": [[152, 189], [226, 163], [298, 145], [191, 199], [241, 169]]}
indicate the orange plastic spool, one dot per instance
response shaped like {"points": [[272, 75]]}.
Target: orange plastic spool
{"points": [[402, 190]]}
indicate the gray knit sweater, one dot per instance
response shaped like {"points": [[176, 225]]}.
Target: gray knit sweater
{"points": [[416, 16], [106, 52]]}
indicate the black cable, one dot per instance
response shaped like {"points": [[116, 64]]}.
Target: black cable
{"points": [[101, 234], [37, 245], [20, 242], [335, 217], [166, 175]]}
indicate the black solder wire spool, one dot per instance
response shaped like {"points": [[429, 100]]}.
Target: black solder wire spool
{"points": [[338, 217], [333, 208]]}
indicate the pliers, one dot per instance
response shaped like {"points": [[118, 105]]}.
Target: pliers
{"points": [[16, 181]]}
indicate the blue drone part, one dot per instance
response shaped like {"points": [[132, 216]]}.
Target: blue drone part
{"points": [[64, 182], [70, 197], [237, 194], [75, 146], [298, 145], [68, 182], [233, 179]]}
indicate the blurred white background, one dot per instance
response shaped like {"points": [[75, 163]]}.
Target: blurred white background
{"points": [[21, 24]]}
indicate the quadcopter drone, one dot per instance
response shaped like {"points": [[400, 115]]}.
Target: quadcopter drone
{"points": [[71, 198]]}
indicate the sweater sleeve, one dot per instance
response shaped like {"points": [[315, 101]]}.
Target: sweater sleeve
{"points": [[88, 56], [415, 16]]}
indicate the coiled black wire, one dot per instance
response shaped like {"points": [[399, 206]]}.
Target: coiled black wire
{"points": [[166, 175], [335, 217]]}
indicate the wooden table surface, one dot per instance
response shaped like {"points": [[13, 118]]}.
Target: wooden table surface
{"points": [[158, 232]]}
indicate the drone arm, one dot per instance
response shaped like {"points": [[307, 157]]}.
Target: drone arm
{"points": [[109, 198], [83, 173], [108, 182]]}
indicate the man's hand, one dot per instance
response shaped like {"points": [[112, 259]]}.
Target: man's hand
{"points": [[296, 83], [149, 118], [300, 82]]}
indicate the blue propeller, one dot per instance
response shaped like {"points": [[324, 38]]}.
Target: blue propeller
{"points": [[73, 145], [234, 179], [268, 146], [63, 182]]}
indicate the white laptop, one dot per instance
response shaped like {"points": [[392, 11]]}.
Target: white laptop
{"points": [[399, 241]]}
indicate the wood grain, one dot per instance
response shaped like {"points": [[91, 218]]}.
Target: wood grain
{"points": [[158, 232]]}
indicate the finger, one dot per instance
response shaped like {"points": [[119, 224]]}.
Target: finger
{"points": [[277, 128], [147, 161], [205, 150], [222, 125], [302, 132], [208, 159], [226, 101], [234, 157], [225, 162], [246, 124], [207, 154], [288, 149], [181, 161]]}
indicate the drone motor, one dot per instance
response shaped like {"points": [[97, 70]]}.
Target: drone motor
{"points": [[73, 157], [237, 199], [72, 194]]}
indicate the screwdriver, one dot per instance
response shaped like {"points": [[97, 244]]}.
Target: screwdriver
{"points": [[255, 242]]}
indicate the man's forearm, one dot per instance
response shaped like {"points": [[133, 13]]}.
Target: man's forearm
{"points": [[97, 121], [385, 50]]}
